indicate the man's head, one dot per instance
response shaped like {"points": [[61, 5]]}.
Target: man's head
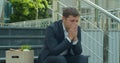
{"points": [[70, 17]]}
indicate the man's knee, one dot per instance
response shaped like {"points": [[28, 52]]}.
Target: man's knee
{"points": [[55, 59], [77, 59], [83, 59]]}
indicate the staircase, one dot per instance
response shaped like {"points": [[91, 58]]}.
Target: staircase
{"points": [[16, 37]]}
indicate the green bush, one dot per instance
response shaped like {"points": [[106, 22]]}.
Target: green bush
{"points": [[29, 10]]}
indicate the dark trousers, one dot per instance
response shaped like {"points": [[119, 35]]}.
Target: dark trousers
{"points": [[67, 59]]}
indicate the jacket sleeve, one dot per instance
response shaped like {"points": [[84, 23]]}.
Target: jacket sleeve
{"points": [[77, 49], [52, 45]]}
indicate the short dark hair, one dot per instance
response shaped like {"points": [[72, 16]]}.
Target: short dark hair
{"points": [[70, 11]]}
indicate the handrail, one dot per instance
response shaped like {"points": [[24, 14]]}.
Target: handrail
{"points": [[102, 10], [62, 4]]}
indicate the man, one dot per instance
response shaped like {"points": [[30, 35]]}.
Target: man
{"points": [[63, 40]]}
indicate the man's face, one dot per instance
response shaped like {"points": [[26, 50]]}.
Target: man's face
{"points": [[70, 21]]}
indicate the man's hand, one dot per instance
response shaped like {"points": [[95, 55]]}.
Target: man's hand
{"points": [[75, 39], [72, 32]]}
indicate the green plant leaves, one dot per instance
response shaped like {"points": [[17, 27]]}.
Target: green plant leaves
{"points": [[25, 47], [28, 10]]}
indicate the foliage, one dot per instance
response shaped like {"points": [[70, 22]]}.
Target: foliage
{"points": [[25, 47], [29, 10]]}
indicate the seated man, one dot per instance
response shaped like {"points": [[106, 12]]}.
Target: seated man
{"points": [[63, 40]]}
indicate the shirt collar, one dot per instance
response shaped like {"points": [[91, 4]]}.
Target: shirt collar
{"points": [[64, 27]]}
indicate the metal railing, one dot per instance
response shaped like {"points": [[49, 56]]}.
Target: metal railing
{"points": [[102, 10]]}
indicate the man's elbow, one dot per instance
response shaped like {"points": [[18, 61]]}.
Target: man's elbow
{"points": [[53, 52]]}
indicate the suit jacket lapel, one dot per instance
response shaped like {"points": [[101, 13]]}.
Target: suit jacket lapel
{"points": [[61, 31]]}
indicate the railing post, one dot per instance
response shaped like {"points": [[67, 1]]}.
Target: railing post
{"points": [[106, 39], [96, 14], [54, 13], [1, 11], [79, 8], [105, 43]]}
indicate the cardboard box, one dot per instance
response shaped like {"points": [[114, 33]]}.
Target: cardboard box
{"points": [[20, 56]]}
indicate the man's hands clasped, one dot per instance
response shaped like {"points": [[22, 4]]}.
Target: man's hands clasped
{"points": [[72, 32]]}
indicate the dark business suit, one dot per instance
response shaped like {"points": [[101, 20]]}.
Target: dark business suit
{"points": [[55, 43]]}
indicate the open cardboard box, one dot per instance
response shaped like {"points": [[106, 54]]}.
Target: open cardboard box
{"points": [[17, 56]]}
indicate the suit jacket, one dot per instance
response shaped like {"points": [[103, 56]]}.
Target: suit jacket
{"points": [[55, 42]]}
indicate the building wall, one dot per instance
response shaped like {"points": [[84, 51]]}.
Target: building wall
{"points": [[113, 4], [108, 4]]}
